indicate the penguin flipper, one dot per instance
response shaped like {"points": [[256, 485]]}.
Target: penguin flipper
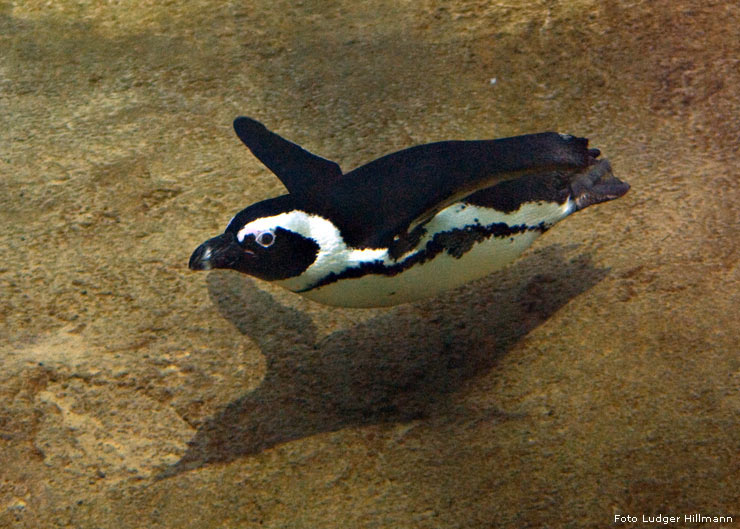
{"points": [[303, 173], [397, 193]]}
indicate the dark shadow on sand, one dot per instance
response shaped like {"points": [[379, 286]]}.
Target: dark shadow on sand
{"points": [[396, 367]]}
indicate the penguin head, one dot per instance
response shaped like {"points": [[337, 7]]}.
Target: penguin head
{"points": [[267, 240]]}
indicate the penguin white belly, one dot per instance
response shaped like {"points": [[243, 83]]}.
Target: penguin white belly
{"points": [[445, 269]]}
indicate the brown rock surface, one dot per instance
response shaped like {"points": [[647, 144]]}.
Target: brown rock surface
{"points": [[599, 375]]}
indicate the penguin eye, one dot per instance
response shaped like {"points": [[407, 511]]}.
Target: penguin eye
{"points": [[265, 239]]}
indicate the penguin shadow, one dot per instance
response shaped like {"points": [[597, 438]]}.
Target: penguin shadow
{"points": [[398, 366]]}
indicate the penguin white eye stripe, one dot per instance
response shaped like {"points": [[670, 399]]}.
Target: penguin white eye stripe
{"points": [[264, 238], [296, 222]]}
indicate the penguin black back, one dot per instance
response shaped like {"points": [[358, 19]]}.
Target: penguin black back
{"points": [[380, 201]]}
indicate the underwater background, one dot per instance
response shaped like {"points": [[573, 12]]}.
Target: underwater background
{"points": [[599, 375]]}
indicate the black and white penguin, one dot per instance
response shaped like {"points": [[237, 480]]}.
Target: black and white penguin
{"points": [[410, 224]]}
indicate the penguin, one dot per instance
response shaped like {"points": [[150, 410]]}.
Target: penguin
{"points": [[410, 224]]}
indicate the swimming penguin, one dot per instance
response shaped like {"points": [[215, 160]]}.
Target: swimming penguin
{"points": [[410, 224]]}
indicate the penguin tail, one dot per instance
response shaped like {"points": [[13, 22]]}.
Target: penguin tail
{"points": [[596, 184]]}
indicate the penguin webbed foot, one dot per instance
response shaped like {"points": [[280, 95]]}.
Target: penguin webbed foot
{"points": [[596, 184]]}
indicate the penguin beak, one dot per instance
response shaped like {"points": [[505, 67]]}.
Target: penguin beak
{"points": [[220, 252]]}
